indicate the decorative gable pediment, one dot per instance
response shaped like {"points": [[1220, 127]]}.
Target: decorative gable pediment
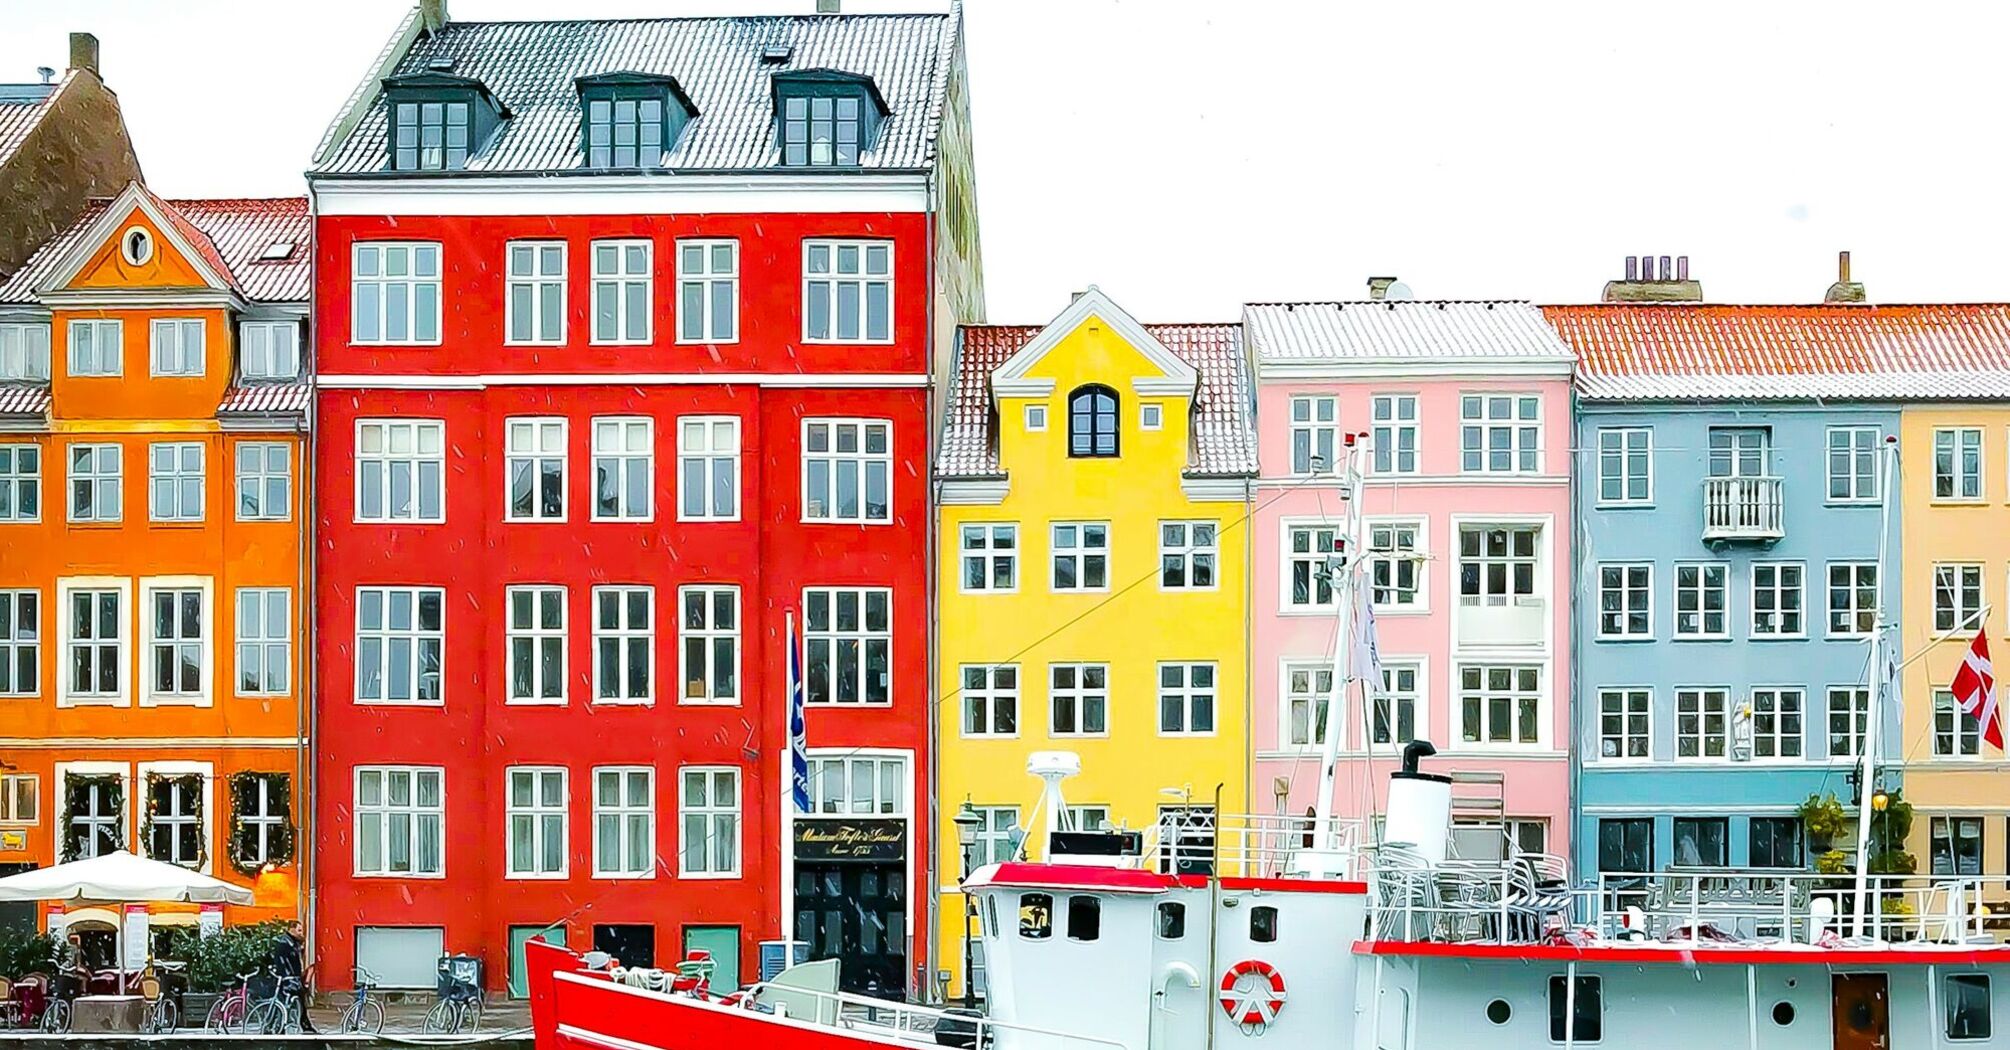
{"points": [[137, 244], [1017, 376]]}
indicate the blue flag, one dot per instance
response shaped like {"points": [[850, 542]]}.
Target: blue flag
{"points": [[799, 757]]}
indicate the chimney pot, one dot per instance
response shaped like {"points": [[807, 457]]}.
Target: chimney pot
{"points": [[47, 74], [1667, 271], [1681, 267], [84, 53], [1842, 267], [432, 15], [1632, 267], [827, 7], [1378, 287]]}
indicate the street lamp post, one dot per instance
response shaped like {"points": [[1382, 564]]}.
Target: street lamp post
{"points": [[968, 822]]}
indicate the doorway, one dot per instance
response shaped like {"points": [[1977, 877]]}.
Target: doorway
{"points": [[1862, 1003], [856, 914], [519, 971], [724, 944], [633, 944]]}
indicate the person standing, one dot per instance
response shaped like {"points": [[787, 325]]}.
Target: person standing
{"points": [[288, 965]]}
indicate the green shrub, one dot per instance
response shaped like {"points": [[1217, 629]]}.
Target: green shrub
{"points": [[26, 953]]}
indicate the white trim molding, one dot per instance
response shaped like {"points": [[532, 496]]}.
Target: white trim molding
{"points": [[1407, 367], [1175, 376], [677, 193], [972, 492], [149, 743], [1216, 490]]}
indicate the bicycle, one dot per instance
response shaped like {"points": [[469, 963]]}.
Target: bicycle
{"points": [[280, 1014], [228, 1013], [162, 1015], [56, 1012], [365, 1013], [459, 1007]]}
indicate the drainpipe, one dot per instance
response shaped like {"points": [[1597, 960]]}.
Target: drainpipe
{"points": [[1573, 749], [1213, 907], [930, 873], [307, 713]]}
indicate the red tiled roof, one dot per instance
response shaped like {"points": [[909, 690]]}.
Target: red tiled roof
{"points": [[24, 399], [266, 399], [231, 234]]}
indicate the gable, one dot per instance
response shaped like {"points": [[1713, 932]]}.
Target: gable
{"points": [[172, 256], [1152, 367]]}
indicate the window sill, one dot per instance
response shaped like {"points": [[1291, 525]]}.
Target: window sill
{"points": [[699, 876], [808, 341], [391, 346], [1633, 639], [881, 705], [1622, 506], [421, 704], [437, 876], [398, 521], [557, 876], [96, 523], [708, 342], [177, 523], [21, 521], [1944, 502], [1700, 638], [242, 520], [598, 520], [621, 877], [706, 702], [507, 520], [987, 736], [708, 520], [868, 523], [513, 702]]}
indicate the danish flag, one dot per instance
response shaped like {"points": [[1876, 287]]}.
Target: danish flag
{"points": [[1975, 690]]}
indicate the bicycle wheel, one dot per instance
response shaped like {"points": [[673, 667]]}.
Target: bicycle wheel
{"points": [[441, 1018], [237, 1013], [369, 1017], [469, 1019], [168, 1017], [267, 1018], [56, 1016], [223, 1014]]}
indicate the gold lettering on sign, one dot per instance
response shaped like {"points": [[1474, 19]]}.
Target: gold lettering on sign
{"points": [[848, 840]]}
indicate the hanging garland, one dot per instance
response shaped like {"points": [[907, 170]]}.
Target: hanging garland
{"points": [[244, 791], [192, 783], [77, 797]]}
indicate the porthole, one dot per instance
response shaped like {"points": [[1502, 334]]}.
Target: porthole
{"points": [[1783, 1014], [1499, 1011], [136, 245]]}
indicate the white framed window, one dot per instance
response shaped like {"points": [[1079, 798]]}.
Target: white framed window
{"points": [[96, 483], [1397, 711], [848, 291], [535, 295], [20, 643], [1625, 724], [848, 470], [394, 294], [175, 481], [990, 700], [1701, 593], [1956, 733], [623, 280], [708, 818], [1036, 419], [535, 812], [95, 810], [1497, 563], [1702, 723], [708, 291], [1625, 466], [96, 626], [1776, 722], [534, 466], [24, 352], [1501, 704], [1396, 565], [258, 814], [1957, 463], [1849, 720], [1308, 700], [711, 644], [536, 637], [177, 620], [624, 645], [269, 349], [989, 553], [998, 835], [1393, 436], [848, 637], [20, 483], [1853, 464], [264, 641], [624, 468], [708, 468], [1078, 697], [1151, 416], [1779, 600], [1626, 600], [1315, 435], [1308, 584], [400, 645], [264, 481], [401, 818], [1500, 434], [624, 822], [177, 803], [177, 346], [1957, 597], [1186, 699], [20, 798], [1852, 599], [1188, 551], [401, 470], [1081, 556], [859, 784], [97, 348]]}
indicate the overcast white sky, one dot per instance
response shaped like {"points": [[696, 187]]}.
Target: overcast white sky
{"points": [[1188, 155]]}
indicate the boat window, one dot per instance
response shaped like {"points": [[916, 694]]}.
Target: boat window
{"points": [[1783, 1014], [1967, 1006], [991, 916], [1499, 1011], [1172, 921], [1587, 1023], [1085, 918], [1036, 916], [1263, 924]]}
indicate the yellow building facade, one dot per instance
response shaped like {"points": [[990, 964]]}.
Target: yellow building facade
{"points": [[1093, 592]]}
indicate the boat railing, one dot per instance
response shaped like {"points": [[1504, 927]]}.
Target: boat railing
{"points": [[1251, 845], [1803, 907], [1515, 899], [908, 1022]]}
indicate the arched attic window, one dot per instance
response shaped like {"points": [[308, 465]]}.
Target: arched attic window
{"points": [[1092, 421]]}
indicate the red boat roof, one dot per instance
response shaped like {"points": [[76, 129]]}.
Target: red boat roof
{"points": [[1703, 954], [1134, 880]]}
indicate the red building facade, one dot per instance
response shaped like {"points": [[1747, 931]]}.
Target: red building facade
{"points": [[626, 334]]}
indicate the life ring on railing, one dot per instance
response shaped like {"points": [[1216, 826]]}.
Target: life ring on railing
{"points": [[1252, 992]]}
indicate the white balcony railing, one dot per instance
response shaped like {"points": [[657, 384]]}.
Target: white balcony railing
{"points": [[1515, 621], [1742, 509]]}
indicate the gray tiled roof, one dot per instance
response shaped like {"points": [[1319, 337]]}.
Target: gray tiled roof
{"points": [[21, 109], [531, 68], [1398, 330]]}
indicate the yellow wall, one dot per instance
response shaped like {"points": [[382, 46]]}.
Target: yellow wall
{"points": [[1132, 627]]}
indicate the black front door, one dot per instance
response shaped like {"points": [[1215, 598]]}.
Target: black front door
{"points": [[18, 916], [631, 944], [851, 900]]}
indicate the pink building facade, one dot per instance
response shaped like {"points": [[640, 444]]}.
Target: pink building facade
{"points": [[1465, 409]]}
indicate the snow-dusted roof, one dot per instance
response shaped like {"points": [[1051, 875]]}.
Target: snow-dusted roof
{"points": [[231, 234], [1402, 331], [21, 109]]}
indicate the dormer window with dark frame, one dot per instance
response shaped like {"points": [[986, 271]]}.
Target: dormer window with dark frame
{"points": [[631, 120], [438, 120], [1092, 422], [827, 119]]}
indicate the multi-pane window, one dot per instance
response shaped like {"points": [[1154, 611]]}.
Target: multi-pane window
{"points": [[1955, 845], [1497, 564], [1956, 733], [848, 632], [1740, 452], [821, 130], [1187, 554], [1776, 723], [624, 645], [395, 293], [95, 808], [990, 557], [97, 348], [536, 641], [96, 488], [859, 785], [1702, 842], [1625, 600], [625, 132], [401, 470], [1309, 548], [710, 631], [264, 481], [429, 136], [264, 641], [94, 638], [261, 805], [708, 468], [536, 292], [998, 836], [1078, 697], [1776, 843], [1308, 697], [1315, 433], [624, 468], [1093, 430], [1849, 720], [401, 818], [175, 481], [1778, 600], [848, 291], [623, 283], [1852, 599], [848, 470], [1501, 704], [708, 814], [624, 822], [20, 483], [1186, 699], [24, 352], [1957, 463], [1957, 597], [1701, 592], [20, 643], [1853, 464], [535, 812], [174, 819], [1702, 723], [708, 291], [534, 451], [176, 644], [1396, 564], [400, 644], [1397, 705], [1081, 556], [990, 700], [269, 349], [177, 346], [1625, 723], [1967, 996], [1625, 465], [1394, 434], [1500, 434]]}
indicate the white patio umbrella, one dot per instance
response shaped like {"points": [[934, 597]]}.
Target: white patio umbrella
{"points": [[120, 878]]}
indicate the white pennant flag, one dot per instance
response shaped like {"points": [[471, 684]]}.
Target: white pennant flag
{"points": [[1367, 659]]}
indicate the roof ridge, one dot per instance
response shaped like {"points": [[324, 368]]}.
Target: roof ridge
{"points": [[1390, 302], [875, 15]]}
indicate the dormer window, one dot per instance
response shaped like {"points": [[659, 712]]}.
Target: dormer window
{"points": [[827, 118], [630, 120], [438, 120]]}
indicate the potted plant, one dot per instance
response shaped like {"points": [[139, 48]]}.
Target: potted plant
{"points": [[24, 953], [215, 961], [1824, 819]]}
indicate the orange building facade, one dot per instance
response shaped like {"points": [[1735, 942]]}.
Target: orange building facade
{"points": [[154, 550]]}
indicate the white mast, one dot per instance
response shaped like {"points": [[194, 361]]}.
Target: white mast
{"points": [[1324, 859], [1874, 716]]}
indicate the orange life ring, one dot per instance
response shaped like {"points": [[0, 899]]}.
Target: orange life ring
{"points": [[1252, 1003]]}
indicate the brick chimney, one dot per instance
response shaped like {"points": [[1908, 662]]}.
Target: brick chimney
{"points": [[1844, 290], [432, 15], [84, 53], [1651, 280]]}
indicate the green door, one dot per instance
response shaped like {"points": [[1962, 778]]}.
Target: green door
{"points": [[724, 944], [519, 978]]}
